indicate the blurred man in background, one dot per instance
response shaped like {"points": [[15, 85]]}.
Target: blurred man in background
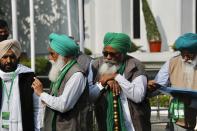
{"points": [[4, 30]]}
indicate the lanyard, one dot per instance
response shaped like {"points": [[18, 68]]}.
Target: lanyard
{"points": [[4, 86]]}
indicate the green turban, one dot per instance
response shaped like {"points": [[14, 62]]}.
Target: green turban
{"points": [[119, 41], [63, 45], [187, 42]]}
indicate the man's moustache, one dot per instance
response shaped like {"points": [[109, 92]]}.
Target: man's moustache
{"points": [[110, 62], [187, 61]]}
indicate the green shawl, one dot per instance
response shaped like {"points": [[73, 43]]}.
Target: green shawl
{"points": [[110, 111]]}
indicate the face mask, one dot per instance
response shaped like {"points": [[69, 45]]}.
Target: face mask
{"points": [[3, 37]]}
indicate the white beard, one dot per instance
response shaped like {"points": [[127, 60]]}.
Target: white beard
{"points": [[191, 62], [107, 68], [56, 69], [194, 62], [189, 72]]}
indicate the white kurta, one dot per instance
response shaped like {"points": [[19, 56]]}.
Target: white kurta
{"points": [[14, 105], [15, 122], [74, 88]]}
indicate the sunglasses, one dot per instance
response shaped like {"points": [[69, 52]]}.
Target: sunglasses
{"points": [[112, 54]]}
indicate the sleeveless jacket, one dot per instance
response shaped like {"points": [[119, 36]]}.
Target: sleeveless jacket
{"points": [[140, 112], [177, 77], [73, 119], [26, 97], [84, 62]]}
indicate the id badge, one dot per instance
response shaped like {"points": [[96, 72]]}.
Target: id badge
{"points": [[5, 119]]}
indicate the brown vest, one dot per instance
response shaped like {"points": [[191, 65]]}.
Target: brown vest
{"points": [[179, 79], [84, 62], [177, 76], [140, 112], [74, 119]]}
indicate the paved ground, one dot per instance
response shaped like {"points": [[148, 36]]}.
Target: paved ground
{"points": [[158, 127], [159, 120]]}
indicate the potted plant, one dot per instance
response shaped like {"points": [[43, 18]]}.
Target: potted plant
{"points": [[153, 35]]}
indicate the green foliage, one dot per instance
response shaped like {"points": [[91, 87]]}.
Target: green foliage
{"points": [[162, 100], [42, 64], [151, 26], [134, 47], [48, 17]]}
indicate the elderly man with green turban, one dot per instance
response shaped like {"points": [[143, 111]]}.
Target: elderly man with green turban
{"points": [[181, 71], [68, 92], [119, 87]]}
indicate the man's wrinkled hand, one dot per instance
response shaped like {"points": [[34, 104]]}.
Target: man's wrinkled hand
{"points": [[114, 87], [106, 77], [152, 85], [37, 86]]}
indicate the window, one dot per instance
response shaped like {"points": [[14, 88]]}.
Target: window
{"points": [[136, 18], [196, 16]]}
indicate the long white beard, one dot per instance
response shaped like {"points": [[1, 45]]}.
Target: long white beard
{"points": [[56, 68], [194, 62], [188, 73], [107, 68]]}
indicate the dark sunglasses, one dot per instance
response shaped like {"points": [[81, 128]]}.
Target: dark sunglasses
{"points": [[112, 54]]}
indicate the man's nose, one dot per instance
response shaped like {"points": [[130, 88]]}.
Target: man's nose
{"points": [[3, 33], [109, 57], [8, 59]]}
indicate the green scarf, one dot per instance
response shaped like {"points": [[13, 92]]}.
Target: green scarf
{"points": [[110, 110], [56, 85]]}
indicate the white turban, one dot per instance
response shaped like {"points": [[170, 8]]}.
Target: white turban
{"points": [[14, 45]]}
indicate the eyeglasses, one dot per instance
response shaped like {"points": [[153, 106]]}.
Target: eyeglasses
{"points": [[112, 54]]}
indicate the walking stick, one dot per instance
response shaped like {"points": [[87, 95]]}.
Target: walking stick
{"points": [[116, 115]]}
